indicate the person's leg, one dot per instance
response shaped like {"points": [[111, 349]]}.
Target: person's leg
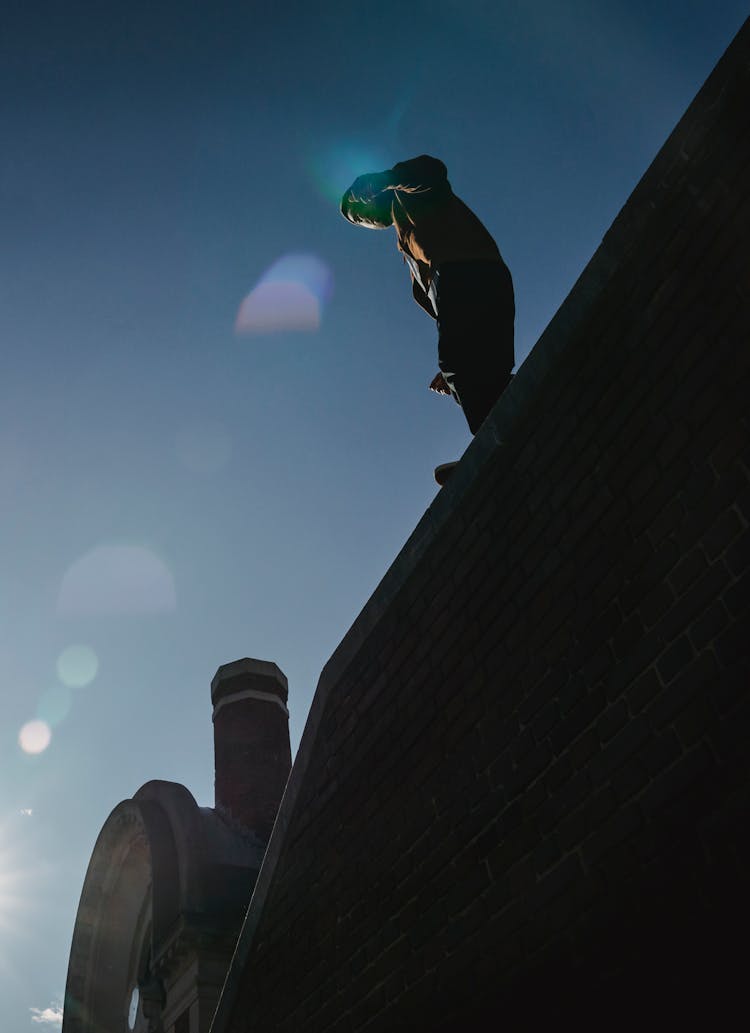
{"points": [[477, 393], [475, 347]]}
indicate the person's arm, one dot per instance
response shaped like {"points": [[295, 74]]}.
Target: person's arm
{"points": [[367, 187], [415, 176], [418, 175], [368, 201]]}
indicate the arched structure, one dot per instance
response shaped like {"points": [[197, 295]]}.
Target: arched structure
{"points": [[167, 888]]}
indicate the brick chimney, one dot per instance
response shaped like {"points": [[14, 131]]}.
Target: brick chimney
{"points": [[252, 755]]}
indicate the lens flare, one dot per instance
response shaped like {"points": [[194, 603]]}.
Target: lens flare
{"points": [[335, 166], [289, 296], [77, 666], [35, 736], [273, 307], [54, 705], [117, 580]]}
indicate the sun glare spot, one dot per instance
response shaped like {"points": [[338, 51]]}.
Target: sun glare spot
{"points": [[35, 736], [76, 668], [290, 295], [26, 811]]}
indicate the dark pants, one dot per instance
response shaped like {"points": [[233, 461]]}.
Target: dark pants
{"points": [[475, 313]]}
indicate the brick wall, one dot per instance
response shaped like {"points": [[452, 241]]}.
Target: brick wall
{"points": [[522, 790]]}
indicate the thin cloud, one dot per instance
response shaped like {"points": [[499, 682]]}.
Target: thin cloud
{"points": [[51, 1016]]}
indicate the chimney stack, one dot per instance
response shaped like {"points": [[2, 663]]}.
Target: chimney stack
{"points": [[252, 754]]}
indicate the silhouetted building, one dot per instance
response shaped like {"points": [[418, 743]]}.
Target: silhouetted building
{"points": [[169, 882]]}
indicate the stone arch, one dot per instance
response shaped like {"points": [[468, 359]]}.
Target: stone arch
{"points": [[141, 877]]}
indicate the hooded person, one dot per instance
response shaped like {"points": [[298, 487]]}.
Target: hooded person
{"points": [[458, 277]]}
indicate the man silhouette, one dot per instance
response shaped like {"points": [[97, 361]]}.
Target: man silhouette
{"points": [[458, 277]]}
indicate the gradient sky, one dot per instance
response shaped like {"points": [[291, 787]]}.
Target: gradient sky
{"points": [[177, 491]]}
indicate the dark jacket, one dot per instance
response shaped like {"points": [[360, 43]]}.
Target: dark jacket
{"points": [[433, 226]]}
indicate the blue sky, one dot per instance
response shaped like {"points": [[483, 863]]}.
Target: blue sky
{"points": [[175, 495]]}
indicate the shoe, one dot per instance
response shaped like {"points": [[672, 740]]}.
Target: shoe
{"points": [[443, 472]]}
